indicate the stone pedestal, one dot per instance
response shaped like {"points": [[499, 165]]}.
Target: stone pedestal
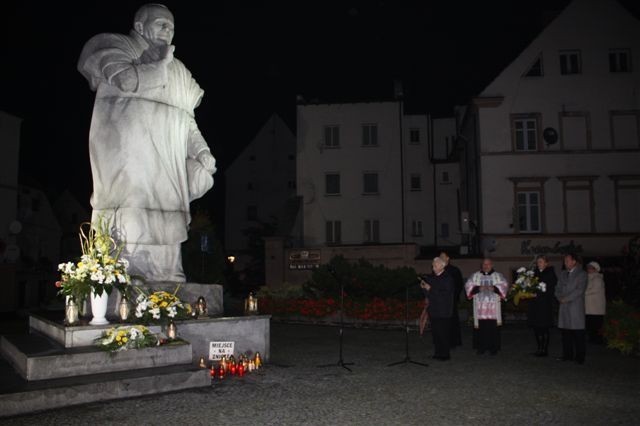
{"points": [[250, 333], [187, 292]]}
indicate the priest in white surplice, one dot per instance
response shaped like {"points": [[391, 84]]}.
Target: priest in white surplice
{"points": [[148, 158]]}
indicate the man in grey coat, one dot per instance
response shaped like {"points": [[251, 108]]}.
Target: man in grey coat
{"points": [[570, 293]]}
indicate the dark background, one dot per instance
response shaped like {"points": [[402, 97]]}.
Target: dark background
{"points": [[252, 59]]}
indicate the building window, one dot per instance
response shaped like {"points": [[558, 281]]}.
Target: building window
{"points": [[444, 230], [625, 129], [370, 183], [332, 184], [525, 132], [369, 135], [575, 132], [252, 213], [627, 202], [535, 70], [416, 228], [416, 183], [620, 60], [577, 203], [371, 231], [528, 211], [331, 136], [333, 231], [414, 136], [570, 62], [528, 204], [444, 178]]}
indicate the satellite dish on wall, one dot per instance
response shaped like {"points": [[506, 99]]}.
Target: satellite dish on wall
{"points": [[15, 227], [550, 135]]}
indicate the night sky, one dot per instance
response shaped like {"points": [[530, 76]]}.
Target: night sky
{"points": [[252, 60]]}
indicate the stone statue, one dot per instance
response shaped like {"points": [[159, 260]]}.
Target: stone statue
{"points": [[148, 158]]}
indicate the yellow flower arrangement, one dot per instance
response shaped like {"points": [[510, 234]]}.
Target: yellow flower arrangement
{"points": [[124, 338], [160, 306]]}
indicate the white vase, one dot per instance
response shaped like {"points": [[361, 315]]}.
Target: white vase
{"points": [[99, 308]]}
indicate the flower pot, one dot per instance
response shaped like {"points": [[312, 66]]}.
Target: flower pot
{"points": [[99, 308]]}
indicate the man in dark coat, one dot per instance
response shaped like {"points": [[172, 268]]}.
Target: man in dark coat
{"points": [[570, 293], [455, 338], [438, 287]]}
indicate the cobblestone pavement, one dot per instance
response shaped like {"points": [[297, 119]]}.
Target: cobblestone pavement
{"points": [[510, 388]]}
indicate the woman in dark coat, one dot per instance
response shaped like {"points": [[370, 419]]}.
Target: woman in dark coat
{"points": [[540, 308]]}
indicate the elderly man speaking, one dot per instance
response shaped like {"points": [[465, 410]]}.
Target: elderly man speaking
{"points": [[439, 289], [148, 158]]}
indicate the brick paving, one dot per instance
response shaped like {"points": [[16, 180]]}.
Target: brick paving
{"points": [[510, 388]]}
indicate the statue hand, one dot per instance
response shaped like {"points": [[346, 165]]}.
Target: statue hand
{"points": [[208, 161]]}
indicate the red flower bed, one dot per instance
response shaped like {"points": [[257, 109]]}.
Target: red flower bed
{"points": [[376, 309]]}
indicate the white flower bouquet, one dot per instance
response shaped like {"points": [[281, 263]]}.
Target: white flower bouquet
{"points": [[527, 286], [100, 267]]}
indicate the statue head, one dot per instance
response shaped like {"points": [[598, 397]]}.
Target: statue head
{"points": [[155, 23]]}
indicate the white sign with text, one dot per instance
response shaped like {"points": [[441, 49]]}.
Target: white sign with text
{"points": [[219, 349]]}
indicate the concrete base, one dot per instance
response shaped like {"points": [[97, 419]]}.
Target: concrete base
{"points": [[36, 357], [250, 333], [19, 397], [75, 336]]}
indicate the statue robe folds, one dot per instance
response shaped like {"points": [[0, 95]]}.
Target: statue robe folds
{"points": [[143, 146], [486, 302]]}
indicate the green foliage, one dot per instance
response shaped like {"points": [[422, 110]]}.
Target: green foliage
{"points": [[285, 291], [206, 268], [622, 328], [631, 272], [362, 280], [254, 269]]}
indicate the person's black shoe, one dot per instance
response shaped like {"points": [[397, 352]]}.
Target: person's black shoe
{"points": [[493, 352], [541, 354], [579, 361], [479, 352], [562, 358]]}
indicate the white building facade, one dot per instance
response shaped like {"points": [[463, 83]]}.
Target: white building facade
{"points": [[556, 137], [365, 175]]}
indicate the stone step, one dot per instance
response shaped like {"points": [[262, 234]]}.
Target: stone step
{"points": [[250, 333], [36, 357], [51, 324], [19, 396]]}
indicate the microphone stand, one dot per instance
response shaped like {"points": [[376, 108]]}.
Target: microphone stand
{"points": [[407, 359], [340, 362]]}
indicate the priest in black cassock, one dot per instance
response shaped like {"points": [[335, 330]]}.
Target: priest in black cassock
{"points": [[439, 288], [455, 339]]}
